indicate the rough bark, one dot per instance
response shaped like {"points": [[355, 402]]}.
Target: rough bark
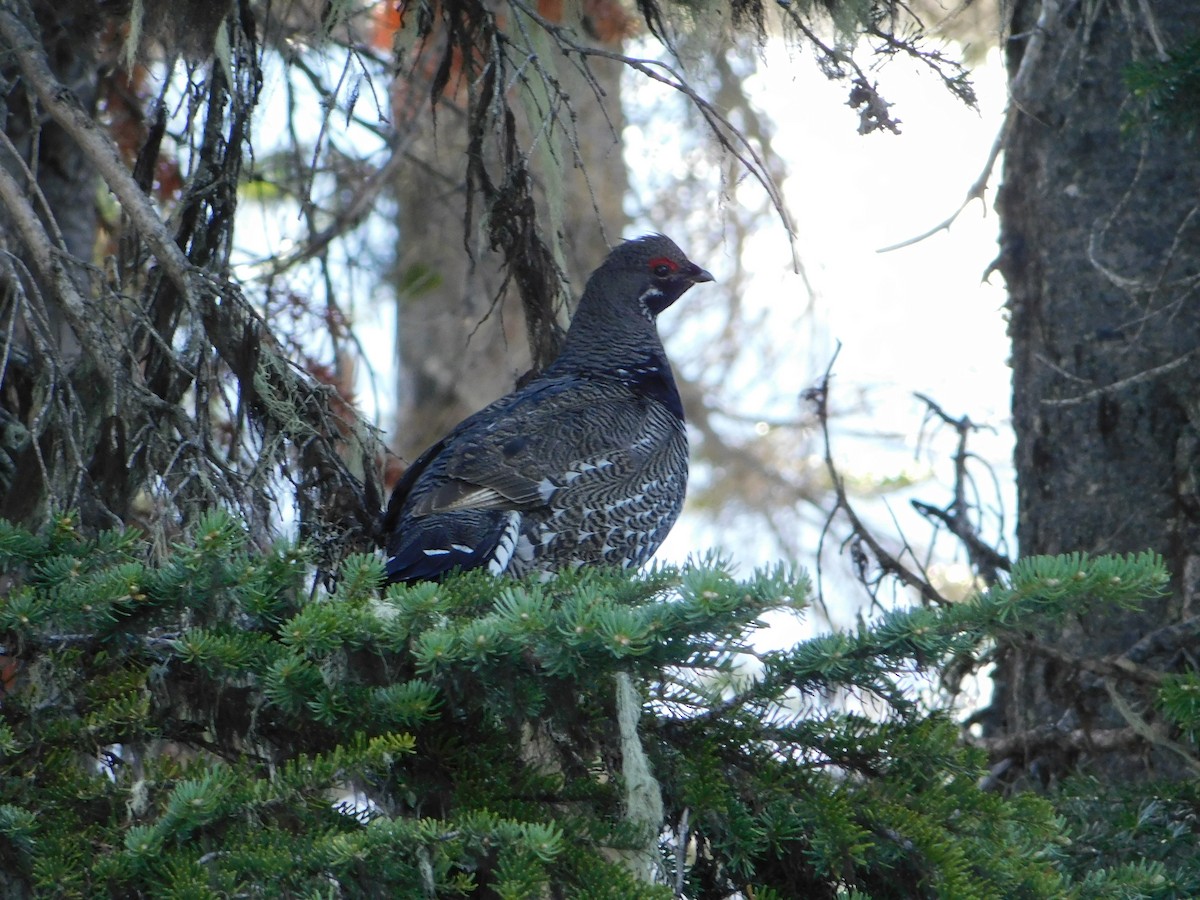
{"points": [[1099, 247], [46, 165]]}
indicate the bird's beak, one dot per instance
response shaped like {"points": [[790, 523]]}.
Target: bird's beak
{"points": [[699, 275]]}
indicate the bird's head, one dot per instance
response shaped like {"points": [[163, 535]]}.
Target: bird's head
{"points": [[651, 268]]}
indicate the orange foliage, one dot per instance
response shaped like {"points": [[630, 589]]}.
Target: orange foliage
{"points": [[550, 10], [387, 19]]}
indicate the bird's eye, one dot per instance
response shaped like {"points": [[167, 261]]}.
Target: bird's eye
{"points": [[662, 267]]}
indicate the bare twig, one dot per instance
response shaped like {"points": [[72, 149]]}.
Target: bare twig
{"points": [[985, 559], [64, 108], [860, 534], [50, 262], [977, 190], [726, 134], [1034, 44], [872, 108], [1044, 737], [1123, 383], [1109, 666], [1152, 733], [346, 219]]}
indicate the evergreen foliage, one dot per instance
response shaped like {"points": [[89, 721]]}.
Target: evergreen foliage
{"points": [[214, 725], [1170, 87]]}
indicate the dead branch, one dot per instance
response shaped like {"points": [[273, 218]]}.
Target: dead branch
{"points": [[977, 190], [1120, 667], [1050, 737], [985, 559], [125, 436], [62, 106], [729, 137], [51, 264], [860, 535]]}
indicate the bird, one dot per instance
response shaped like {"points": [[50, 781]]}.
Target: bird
{"points": [[584, 465]]}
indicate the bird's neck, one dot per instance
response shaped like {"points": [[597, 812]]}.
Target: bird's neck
{"points": [[616, 351], [610, 335]]}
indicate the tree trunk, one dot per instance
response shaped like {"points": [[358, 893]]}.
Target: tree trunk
{"points": [[461, 328], [33, 472], [1100, 251]]}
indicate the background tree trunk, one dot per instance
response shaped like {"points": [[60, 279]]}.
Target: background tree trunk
{"points": [[461, 330], [1100, 251], [65, 178]]}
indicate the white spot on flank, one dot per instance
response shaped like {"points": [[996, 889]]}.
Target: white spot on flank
{"points": [[503, 553], [546, 489], [463, 548], [436, 552]]}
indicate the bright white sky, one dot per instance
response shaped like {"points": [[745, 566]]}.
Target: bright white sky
{"points": [[915, 319]]}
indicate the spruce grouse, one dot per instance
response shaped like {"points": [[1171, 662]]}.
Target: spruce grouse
{"points": [[584, 465]]}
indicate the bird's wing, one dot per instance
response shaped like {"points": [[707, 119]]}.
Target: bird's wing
{"points": [[404, 487], [428, 472], [515, 459]]}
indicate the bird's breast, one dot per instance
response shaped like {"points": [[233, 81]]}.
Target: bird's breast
{"points": [[612, 509], [652, 380]]}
